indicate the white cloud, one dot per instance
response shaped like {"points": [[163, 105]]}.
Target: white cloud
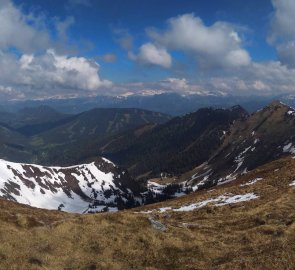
{"points": [[218, 45], [175, 84], [49, 74], [268, 78], [152, 55], [283, 20], [23, 32], [283, 31], [36, 70]]}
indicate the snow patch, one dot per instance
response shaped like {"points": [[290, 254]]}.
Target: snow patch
{"points": [[219, 201], [240, 158], [289, 148], [75, 189], [252, 182]]}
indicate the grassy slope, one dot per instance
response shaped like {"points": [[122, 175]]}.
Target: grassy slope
{"points": [[259, 234]]}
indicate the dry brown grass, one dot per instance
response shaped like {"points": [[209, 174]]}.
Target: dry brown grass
{"points": [[259, 234]]}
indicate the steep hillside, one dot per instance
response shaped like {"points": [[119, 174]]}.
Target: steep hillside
{"points": [[264, 136], [31, 116], [174, 147], [44, 136], [95, 187], [100, 123], [14, 146], [246, 224]]}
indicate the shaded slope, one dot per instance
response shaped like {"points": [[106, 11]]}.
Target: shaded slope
{"points": [[174, 147], [264, 136], [100, 123], [14, 146], [31, 116], [37, 139]]}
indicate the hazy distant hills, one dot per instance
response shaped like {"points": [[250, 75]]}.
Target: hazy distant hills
{"points": [[30, 134], [29, 116], [100, 123], [169, 103]]}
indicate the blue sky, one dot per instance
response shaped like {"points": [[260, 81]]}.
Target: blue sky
{"points": [[91, 47], [97, 21]]}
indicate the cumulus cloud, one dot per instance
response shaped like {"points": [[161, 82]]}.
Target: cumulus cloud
{"points": [[268, 78], [49, 74], [35, 70], [218, 45], [152, 55], [175, 84], [282, 33], [20, 31], [283, 19]]}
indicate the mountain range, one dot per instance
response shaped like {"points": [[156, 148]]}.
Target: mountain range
{"points": [[262, 137], [168, 103], [184, 153], [211, 189], [29, 136]]}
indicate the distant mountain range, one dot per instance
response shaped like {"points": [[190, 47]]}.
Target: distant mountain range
{"points": [[33, 133], [31, 116], [168, 103], [195, 151]]}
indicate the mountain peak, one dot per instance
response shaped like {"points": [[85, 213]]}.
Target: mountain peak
{"points": [[277, 104]]}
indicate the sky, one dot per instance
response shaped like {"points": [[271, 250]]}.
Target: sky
{"points": [[72, 48]]}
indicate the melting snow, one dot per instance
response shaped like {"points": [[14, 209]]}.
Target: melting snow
{"points": [[293, 183], [289, 148], [49, 188], [240, 158], [256, 141], [219, 201], [227, 179], [252, 182]]}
